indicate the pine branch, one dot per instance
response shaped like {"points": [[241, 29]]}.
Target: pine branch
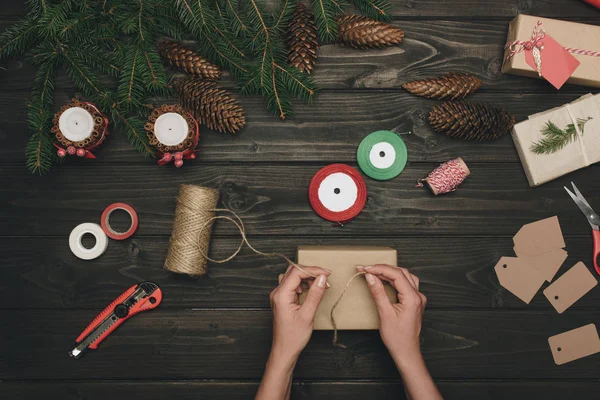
{"points": [[39, 151], [375, 9], [555, 138], [134, 129], [16, 40], [326, 13]]}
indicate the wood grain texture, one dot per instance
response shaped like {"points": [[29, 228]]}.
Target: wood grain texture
{"points": [[327, 131], [188, 344], [432, 8], [454, 272], [304, 390], [430, 48], [494, 200]]}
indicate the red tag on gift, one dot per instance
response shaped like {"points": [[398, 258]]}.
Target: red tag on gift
{"points": [[557, 64]]}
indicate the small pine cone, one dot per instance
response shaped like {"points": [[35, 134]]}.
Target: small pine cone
{"points": [[185, 59], [211, 105], [451, 86], [468, 120], [302, 40], [362, 33]]}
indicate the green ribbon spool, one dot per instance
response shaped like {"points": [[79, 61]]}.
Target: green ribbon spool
{"points": [[382, 155]]}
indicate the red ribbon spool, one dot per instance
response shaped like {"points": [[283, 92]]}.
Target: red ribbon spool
{"points": [[337, 193]]}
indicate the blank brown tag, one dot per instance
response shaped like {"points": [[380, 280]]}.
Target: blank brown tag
{"points": [[547, 263], [574, 344], [519, 278], [539, 237], [570, 287]]}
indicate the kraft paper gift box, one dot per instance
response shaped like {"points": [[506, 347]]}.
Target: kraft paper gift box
{"points": [[567, 34], [579, 153], [357, 309]]}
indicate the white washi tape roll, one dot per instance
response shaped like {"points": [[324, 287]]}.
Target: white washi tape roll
{"points": [[79, 249]]}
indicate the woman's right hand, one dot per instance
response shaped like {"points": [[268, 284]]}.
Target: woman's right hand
{"points": [[400, 322]]}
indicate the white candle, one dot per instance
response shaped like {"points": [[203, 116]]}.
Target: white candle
{"points": [[76, 124], [171, 129]]}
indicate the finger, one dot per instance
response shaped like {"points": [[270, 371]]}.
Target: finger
{"points": [[416, 280], [314, 296], [294, 277], [280, 278], [391, 273], [382, 302], [400, 281]]}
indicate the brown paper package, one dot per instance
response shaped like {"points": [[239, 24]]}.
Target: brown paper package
{"points": [[568, 34], [356, 310]]}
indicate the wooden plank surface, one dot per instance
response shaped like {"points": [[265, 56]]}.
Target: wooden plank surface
{"points": [[272, 199], [313, 390], [455, 272], [187, 344], [211, 336]]}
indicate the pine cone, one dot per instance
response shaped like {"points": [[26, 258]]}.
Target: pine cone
{"points": [[363, 33], [185, 59], [451, 86], [211, 105], [470, 120], [302, 39]]}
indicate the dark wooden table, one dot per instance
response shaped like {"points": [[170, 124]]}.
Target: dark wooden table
{"points": [[210, 337]]}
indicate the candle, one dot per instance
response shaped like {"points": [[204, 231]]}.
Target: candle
{"points": [[76, 124], [171, 129]]}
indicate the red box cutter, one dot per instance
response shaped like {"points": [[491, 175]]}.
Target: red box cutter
{"points": [[141, 297]]}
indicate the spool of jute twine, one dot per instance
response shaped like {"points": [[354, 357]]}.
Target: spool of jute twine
{"points": [[195, 215], [190, 239]]}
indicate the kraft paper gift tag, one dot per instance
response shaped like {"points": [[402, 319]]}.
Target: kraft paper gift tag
{"points": [[538, 238], [357, 309], [519, 278], [574, 344], [570, 287], [547, 263]]}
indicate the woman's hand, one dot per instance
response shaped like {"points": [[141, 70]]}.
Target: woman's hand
{"points": [[400, 322], [400, 326], [292, 327], [293, 323]]}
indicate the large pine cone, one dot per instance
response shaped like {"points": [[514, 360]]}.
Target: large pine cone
{"points": [[211, 105], [302, 40], [363, 33], [451, 86], [185, 59], [470, 120]]}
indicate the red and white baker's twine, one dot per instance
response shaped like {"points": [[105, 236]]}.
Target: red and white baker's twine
{"points": [[446, 177], [536, 40]]}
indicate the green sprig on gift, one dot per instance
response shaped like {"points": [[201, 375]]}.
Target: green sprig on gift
{"points": [[555, 138]]}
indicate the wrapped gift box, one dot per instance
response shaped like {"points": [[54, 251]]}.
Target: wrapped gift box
{"points": [[357, 309], [579, 153], [568, 34]]}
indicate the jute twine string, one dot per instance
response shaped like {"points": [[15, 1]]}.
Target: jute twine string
{"points": [[195, 215], [190, 238]]}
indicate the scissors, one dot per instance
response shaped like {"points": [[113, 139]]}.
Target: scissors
{"points": [[592, 218]]}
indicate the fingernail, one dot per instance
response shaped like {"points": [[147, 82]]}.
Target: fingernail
{"points": [[359, 267], [368, 267], [370, 279], [328, 270], [321, 281]]}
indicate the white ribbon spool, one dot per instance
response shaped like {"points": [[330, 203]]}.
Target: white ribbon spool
{"points": [[338, 192], [171, 129], [79, 249], [76, 124], [382, 155]]}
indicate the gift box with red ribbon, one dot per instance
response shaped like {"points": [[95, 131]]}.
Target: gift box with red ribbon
{"points": [[558, 51]]}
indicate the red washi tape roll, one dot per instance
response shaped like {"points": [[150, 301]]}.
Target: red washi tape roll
{"points": [[337, 193], [110, 232]]}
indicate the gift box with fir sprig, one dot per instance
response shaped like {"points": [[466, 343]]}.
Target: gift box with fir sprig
{"points": [[561, 140]]}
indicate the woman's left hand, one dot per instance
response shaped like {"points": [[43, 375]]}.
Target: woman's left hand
{"points": [[293, 323]]}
